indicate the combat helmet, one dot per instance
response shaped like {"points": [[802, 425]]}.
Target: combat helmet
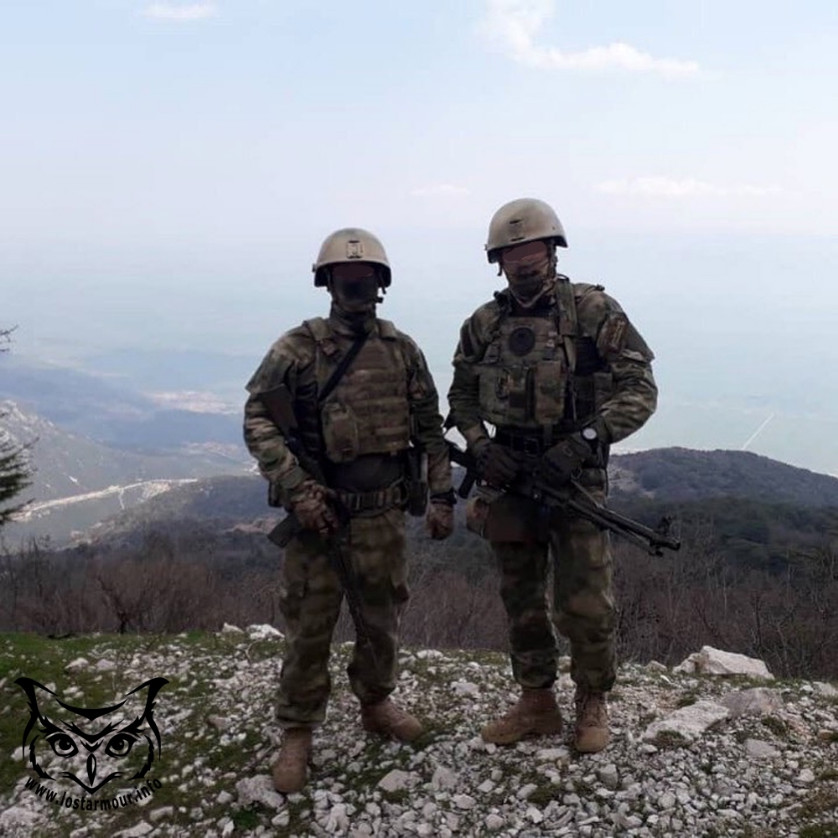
{"points": [[520, 221], [351, 244]]}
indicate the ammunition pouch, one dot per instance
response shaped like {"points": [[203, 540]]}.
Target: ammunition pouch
{"points": [[416, 481]]}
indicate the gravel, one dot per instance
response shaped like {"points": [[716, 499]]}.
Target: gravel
{"points": [[681, 763]]}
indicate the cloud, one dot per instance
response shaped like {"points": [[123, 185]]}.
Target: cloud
{"points": [[511, 26], [178, 12], [661, 187], [439, 190]]}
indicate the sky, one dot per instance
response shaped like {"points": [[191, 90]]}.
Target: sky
{"points": [[169, 170]]}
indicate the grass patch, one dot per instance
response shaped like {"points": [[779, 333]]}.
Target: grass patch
{"points": [[818, 801], [667, 739], [819, 830], [247, 818], [545, 794]]}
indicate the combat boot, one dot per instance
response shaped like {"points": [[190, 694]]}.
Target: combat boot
{"points": [[290, 771], [592, 733], [534, 714], [388, 719]]}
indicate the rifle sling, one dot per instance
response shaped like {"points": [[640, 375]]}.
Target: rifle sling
{"points": [[341, 368]]}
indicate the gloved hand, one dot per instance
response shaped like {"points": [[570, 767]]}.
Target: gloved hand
{"points": [[310, 503], [496, 464], [565, 459], [439, 519]]}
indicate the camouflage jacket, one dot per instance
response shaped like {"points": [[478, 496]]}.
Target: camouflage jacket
{"points": [[575, 362], [385, 401]]}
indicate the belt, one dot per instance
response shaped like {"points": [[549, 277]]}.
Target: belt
{"points": [[395, 495]]}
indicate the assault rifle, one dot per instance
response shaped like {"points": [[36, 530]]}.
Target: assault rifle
{"points": [[530, 483], [280, 407]]}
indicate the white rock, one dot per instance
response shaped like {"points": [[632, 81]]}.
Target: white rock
{"points": [[282, 819], [397, 780], [338, 821], [465, 688], [535, 815], [759, 749], [464, 801], [656, 666], [229, 628], [758, 701], [689, 722], [806, 776], [76, 664], [18, 822], [710, 661], [609, 776], [552, 754], [259, 789], [263, 632], [525, 791], [105, 665], [494, 822], [429, 654], [824, 689], [444, 779], [136, 831]]}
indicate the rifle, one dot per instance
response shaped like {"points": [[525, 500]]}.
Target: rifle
{"points": [[280, 407], [531, 484]]}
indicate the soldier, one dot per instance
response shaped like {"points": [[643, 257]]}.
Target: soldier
{"points": [[363, 398], [560, 372]]}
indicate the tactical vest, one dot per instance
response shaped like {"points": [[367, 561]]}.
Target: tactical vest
{"points": [[542, 371], [368, 411]]}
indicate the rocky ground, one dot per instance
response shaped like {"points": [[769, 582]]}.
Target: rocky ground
{"points": [[693, 754]]}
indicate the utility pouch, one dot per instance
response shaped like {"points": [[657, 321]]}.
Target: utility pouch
{"points": [[416, 481], [340, 432]]}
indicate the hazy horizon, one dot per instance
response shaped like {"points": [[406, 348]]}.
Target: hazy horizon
{"points": [[170, 170]]}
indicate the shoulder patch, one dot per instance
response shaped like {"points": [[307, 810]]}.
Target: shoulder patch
{"points": [[611, 339]]}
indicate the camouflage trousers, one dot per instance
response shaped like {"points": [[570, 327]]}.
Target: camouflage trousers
{"points": [[310, 601], [575, 555]]}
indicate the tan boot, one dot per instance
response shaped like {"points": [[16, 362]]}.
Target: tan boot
{"points": [[290, 771], [592, 733], [388, 719], [534, 714]]}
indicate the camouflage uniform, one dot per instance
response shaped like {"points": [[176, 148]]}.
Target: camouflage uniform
{"points": [[539, 374], [385, 401]]}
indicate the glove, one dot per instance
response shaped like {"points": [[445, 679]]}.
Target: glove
{"points": [[566, 458], [310, 503], [439, 519], [496, 464]]}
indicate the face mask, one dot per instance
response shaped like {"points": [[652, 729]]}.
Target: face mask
{"points": [[355, 295], [526, 276]]}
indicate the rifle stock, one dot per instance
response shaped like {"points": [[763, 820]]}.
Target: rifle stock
{"points": [[531, 485]]}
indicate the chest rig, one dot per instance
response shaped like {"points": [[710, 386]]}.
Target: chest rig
{"points": [[367, 410], [526, 376]]}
